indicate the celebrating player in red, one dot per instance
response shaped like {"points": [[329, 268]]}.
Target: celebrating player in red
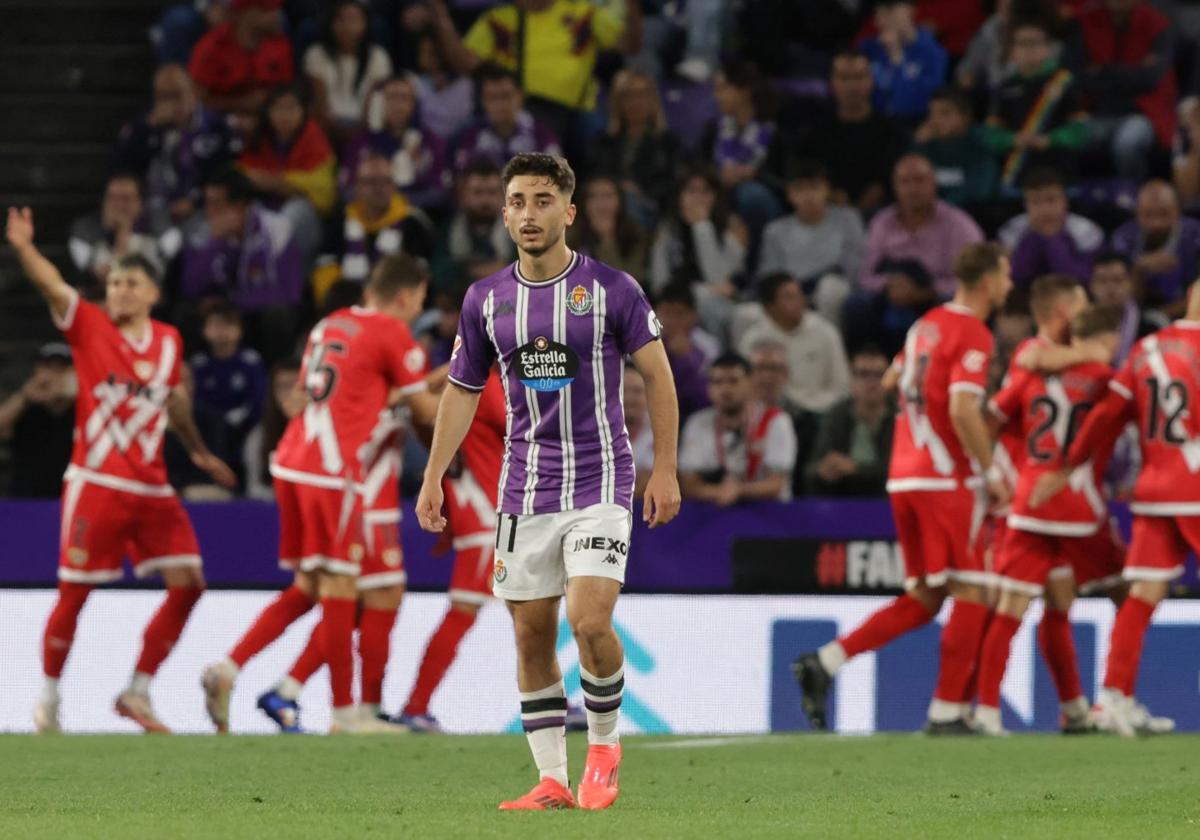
{"points": [[1067, 542], [116, 500], [354, 360], [1156, 388], [940, 431]]}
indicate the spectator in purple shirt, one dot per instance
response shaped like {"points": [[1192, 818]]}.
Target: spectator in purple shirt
{"points": [[1163, 246], [174, 146], [1047, 238], [419, 157], [506, 128], [690, 349]]}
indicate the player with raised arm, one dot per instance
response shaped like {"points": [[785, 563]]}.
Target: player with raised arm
{"points": [[356, 358], [116, 499], [941, 454], [1066, 544], [560, 325], [1156, 388]]}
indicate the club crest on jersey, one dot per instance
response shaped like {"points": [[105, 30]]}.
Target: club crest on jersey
{"points": [[546, 365], [143, 368], [501, 573], [579, 301]]}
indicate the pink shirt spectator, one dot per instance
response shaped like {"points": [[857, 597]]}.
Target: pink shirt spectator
{"points": [[935, 245]]}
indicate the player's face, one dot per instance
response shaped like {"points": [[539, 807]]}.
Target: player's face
{"points": [[536, 213], [999, 284], [130, 295], [729, 389], [1071, 304], [408, 303]]}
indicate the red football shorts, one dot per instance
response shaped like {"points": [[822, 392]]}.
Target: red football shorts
{"points": [[320, 528], [936, 529], [1160, 545], [101, 526], [471, 516], [1030, 559], [383, 563]]}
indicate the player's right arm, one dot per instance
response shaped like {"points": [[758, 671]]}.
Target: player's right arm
{"points": [[454, 417], [1054, 358], [45, 277], [1097, 436]]}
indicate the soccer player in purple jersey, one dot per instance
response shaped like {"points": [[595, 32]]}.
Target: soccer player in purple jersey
{"points": [[560, 325]]}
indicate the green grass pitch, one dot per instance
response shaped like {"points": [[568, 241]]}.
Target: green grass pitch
{"points": [[896, 786]]}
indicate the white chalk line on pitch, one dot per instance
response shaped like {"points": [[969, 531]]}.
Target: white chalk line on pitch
{"points": [[716, 741]]}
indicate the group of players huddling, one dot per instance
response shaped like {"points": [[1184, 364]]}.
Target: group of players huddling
{"points": [[1033, 457], [530, 464]]}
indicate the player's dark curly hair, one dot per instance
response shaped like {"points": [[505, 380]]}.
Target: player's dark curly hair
{"points": [[554, 168]]}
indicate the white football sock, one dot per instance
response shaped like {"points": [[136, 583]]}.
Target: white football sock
{"points": [[832, 656], [140, 684], [543, 715], [602, 699], [289, 688], [49, 693]]}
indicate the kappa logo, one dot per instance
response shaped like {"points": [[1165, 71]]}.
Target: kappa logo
{"points": [[579, 301], [501, 572], [505, 307], [612, 560]]}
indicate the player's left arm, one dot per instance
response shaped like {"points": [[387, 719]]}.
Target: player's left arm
{"points": [[180, 421], [1096, 438], [46, 278], [662, 490]]}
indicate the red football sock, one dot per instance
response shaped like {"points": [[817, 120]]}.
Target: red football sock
{"points": [[897, 618], [439, 656], [270, 624], [960, 647], [337, 641], [166, 626], [60, 626], [1058, 649], [374, 643], [1125, 646], [993, 658], [311, 658]]}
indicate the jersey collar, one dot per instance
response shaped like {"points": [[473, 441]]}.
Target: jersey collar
{"points": [[541, 284]]}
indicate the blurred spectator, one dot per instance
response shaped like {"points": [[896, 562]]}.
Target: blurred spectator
{"points": [[181, 26], [284, 401], [738, 143], [1128, 75], [1036, 116], [689, 348], [918, 226], [858, 144], [637, 148], [437, 327], [701, 244], [246, 252], [191, 482], [120, 228], [237, 63], [229, 379], [446, 100], [817, 373], [1163, 246], [819, 243], [884, 317], [477, 242], [420, 168], [704, 21], [1185, 160], [1112, 285], [769, 379], [637, 422], [985, 63], [379, 222], [505, 128], [1047, 238], [962, 162], [739, 450], [604, 230], [174, 147], [907, 61], [344, 66], [291, 161], [551, 47], [38, 421], [854, 444]]}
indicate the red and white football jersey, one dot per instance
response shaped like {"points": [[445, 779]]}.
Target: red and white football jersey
{"points": [[947, 350], [1160, 384], [1051, 408], [1009, 452], [120, 413], [354, 358], [482, 449]]}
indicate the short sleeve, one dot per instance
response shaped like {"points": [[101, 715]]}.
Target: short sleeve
{"points": [[405, 361], [632, 318], [1124, 382], [176, 374], [969, 368], [1007, 402], [697, 450], [472, 356], [81, 318], [780, 450]]}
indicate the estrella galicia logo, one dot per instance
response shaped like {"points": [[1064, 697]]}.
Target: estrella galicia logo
{"points": [[546, 365]]}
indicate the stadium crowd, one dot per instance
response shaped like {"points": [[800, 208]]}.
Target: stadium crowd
{"points": [[789, 182]]}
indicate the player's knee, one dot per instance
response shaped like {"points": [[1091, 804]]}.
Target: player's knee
{"points": [[465, 608], [1150, 591], [591, 630], [532, 638]]}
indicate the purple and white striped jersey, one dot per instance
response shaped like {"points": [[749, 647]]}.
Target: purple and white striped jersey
{"points": [[561, 345]]}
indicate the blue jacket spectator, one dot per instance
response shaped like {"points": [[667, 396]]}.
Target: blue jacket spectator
{"points": [[907, 62]]}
